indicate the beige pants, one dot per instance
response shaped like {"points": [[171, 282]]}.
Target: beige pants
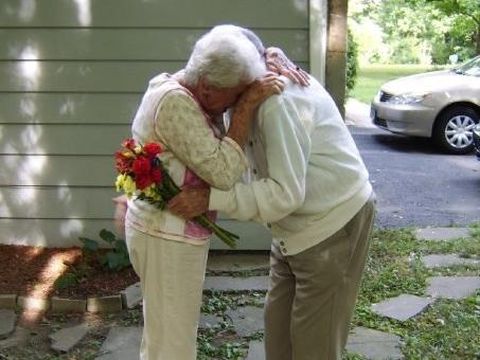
{"points": [[171, 275], [312, 295]]}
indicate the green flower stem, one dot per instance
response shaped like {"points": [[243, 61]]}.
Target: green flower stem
{"points": [[224, 235]]}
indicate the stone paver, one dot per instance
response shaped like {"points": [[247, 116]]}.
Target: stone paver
{"points": [[33, 304], [8, 301], [374, 345], [68, 305], [19, 337], [453, 287], [209, 321], [65, 339], [111, 303], [442, 234], [240, 262], [247, 320], [402, 307], [256, 351], [440, 260], [122, 343], [131, 296], [7, 322], [230, 283]]}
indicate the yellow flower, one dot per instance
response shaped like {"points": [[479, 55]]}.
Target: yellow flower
{"points": [[129, 186], [138, 149], [149, 191], [125, 182], [119, 182]]}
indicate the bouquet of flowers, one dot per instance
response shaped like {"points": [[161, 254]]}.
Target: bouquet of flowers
{"points": [[141, 174]]}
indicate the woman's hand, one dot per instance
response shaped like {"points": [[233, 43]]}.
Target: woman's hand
{"points": [[278, 62], [244, 110], [260, 90], [191, 202]]}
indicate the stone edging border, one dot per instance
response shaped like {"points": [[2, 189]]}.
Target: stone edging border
{"points": [[126, 299]]}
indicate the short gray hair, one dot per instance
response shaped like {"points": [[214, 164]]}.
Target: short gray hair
{"points": [[225, 57]]}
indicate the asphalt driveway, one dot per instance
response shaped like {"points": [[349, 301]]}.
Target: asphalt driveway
{"points": [[416, 185]]}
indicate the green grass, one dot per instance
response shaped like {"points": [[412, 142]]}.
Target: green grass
{"points": [[372, 77], [448, 329]]}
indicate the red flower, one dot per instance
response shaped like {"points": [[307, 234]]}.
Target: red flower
{"points": [[142, 181], [129, 143], [141, 166], [123, 163], [152, 149]]}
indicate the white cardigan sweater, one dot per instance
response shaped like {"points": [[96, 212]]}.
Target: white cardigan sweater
{"points": [[311, 179]]}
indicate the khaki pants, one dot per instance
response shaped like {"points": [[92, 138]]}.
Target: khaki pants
{"points": [[171, 275], [312, 295]]}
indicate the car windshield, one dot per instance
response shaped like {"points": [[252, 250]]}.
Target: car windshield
{"points": [[471, 67]]}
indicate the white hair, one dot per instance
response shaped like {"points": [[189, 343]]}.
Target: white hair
{"points": [[225, 58]]}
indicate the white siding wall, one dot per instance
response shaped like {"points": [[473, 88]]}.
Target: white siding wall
{"points": [[71, 75]]}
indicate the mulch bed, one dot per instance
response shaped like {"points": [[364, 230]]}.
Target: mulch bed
{"points": [[32, 271]]}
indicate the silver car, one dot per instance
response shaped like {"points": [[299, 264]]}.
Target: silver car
{"points": [[443, 105]]}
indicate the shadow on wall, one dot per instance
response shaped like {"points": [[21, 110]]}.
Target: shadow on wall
{"points": [[71, 80]]}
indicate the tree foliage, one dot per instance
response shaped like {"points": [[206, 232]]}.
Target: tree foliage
{"points": [[352, 62], [417, 31], [466, 25]]}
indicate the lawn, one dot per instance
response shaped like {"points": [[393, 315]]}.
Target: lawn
{"points": [[371, 77]]}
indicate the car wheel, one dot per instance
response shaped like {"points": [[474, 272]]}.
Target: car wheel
{"points": [[453, 130]]}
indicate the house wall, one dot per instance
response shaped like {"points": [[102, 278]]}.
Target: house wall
{"points": [[72, 73]]}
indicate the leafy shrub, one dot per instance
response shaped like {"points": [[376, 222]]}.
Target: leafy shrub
{"points": [[116, 258], [66, 280], [352, 63], [75, 274]]}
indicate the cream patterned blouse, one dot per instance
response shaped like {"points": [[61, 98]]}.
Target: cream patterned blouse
{"points": [[196, 155]]}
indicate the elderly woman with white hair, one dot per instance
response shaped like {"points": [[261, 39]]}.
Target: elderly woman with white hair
{"points": [[167, 252]]}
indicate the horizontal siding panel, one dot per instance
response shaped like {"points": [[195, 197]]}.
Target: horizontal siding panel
{"points": [[65, 233], [61, 139], [58, 108], [123, 44], [62, 76], [59, 76], [253, 236], [71, 77], [56, 203], [57, 170], [50, 232], [153, 13], [28, 202]]}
